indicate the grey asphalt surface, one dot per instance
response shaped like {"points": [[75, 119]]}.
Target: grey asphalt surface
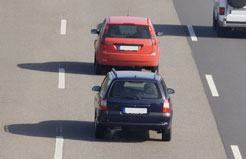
{"points": [[34, 111], [224, 58]]}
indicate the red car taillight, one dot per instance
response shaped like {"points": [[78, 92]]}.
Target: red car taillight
{"points": [[166, 106], [103, 104], [153, 42], [103, 44], [103, 41], [222, 10], [152, 36]]}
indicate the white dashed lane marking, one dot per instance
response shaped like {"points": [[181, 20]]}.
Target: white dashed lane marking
{"points": [[59, 147], [63, 28], [61, 81], [236, 152], [212, 86], [192, 33]]}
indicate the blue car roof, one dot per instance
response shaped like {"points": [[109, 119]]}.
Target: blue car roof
{"points": [[135, 75]]}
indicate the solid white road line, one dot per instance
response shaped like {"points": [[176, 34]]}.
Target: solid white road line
{"points": [[63, 29], [212, 85], [236, 152], [61, 81], [192, 33], [59, 147]]}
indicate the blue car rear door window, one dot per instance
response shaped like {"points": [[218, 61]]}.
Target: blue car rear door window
{"points": [[135, 90]]}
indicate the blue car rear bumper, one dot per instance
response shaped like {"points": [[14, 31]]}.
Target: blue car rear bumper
{"points": [[136, 122]]}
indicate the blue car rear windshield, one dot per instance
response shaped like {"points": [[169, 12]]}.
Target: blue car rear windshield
{"points": [[135, 90], [128, 31]]}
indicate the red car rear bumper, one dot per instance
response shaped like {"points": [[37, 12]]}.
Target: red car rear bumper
{"points": [[128, 59]]}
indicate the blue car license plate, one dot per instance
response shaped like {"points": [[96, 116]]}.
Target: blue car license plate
{"points": [[127, 110]]}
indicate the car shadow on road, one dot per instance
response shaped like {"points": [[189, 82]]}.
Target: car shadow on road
{"points": [[75, 130], [200, 31], [70, 67], [86, 68]]}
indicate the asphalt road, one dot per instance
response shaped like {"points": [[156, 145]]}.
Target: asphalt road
{"points": [[42, 117], [224, 58]]}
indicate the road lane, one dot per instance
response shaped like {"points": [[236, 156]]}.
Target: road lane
{"points": [[225, 59], [61, 78], [212, 85], [34, 112], [192, 33], [29, 33], [59, 147], [173, 70], [63, 29], [236, 152]]}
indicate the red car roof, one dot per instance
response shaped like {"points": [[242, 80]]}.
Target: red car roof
{"points": [[128, 20]]}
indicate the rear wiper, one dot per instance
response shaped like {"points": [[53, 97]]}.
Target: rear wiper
{"points": [[132, 97]]}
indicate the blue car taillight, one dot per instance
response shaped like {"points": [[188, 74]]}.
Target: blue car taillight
{"points": [[103, 104], [166, 106]]}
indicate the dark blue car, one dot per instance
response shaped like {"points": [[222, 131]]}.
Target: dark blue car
{"points": [[133, 99]]}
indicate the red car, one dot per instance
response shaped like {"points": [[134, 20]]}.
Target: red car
{"points": [[126, 41]]}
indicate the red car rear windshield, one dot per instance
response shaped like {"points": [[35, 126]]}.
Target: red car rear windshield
{"points": [[128, 31]]}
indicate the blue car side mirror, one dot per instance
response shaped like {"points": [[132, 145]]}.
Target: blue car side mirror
{"points": [[96, 88], [170, 91]]}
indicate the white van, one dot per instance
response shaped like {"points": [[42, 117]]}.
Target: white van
{"points": [[229, 14]]}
